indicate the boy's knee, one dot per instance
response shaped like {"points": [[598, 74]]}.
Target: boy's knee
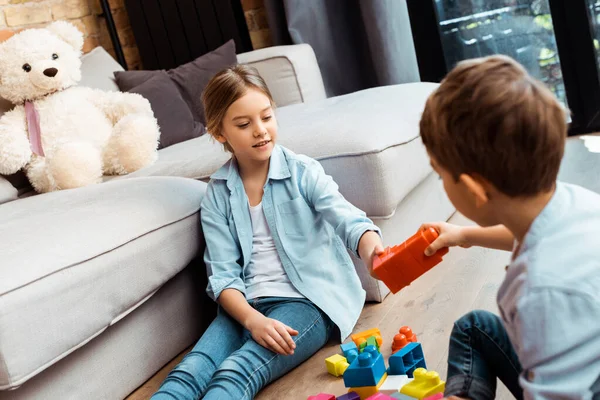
{"points": [[472, 319]]}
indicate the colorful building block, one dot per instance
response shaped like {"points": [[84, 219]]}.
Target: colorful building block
{"points": [[350, 351], [393, 383], [425, 384], [349, 396], [372, 341], [406, 360], [322, 396], [336, 365], [366, 370], [380, 396], [365, 391], [437, 396], [360, 337], [399, 265], [404, 337]]}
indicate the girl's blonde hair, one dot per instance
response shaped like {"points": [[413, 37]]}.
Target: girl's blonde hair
{"points": [[224, 89]]}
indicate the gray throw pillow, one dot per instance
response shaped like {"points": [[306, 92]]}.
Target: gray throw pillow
{"points": [[173, 114], [190, 78]]}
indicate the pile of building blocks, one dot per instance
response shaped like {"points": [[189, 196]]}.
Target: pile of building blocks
{"points": [[399, 265], [364, 372]]}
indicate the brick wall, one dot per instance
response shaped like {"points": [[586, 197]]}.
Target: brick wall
{"points": [[16, 15]]}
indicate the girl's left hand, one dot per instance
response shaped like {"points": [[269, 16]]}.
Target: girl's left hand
{"points": [[369, 247]]}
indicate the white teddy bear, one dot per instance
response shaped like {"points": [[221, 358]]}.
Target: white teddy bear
{"points": [[66, 136]]}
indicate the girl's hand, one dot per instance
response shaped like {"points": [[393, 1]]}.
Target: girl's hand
{"points": [[449, 235], [272, 334], [369, 247]]}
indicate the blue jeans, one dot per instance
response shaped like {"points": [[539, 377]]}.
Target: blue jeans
{"points": [[480, 351], [227, 363]]}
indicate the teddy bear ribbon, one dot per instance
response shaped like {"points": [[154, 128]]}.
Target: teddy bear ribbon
{"points": [[33, 126]]}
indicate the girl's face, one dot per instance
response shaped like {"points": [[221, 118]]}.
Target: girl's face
{"points": [[250, 127]]}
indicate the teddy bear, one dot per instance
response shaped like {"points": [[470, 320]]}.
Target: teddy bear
{"points": [[65, 136]]}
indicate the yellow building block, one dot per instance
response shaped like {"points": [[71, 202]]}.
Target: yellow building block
{"points": [[425, 384], [361, 337], [368, 391], [336, 365]]}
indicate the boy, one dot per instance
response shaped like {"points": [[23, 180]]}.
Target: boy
{"points": [[496, 137]]}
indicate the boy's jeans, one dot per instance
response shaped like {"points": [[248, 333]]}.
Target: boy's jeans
{"points": [[480, 352], [227, 363]]}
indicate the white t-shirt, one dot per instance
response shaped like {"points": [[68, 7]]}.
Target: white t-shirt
{"points": [[265, 276]]}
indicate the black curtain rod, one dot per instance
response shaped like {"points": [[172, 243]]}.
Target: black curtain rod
{"points": [[112, 30]]}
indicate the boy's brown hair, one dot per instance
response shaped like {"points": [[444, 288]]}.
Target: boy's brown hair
{"points": [[224, 89], [490, 118]]}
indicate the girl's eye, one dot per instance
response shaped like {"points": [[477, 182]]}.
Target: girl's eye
{"points": [[243, 126], [268, 117]]}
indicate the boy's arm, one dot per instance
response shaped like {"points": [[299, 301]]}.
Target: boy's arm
{"points": [[350, 223], [494, 237]]}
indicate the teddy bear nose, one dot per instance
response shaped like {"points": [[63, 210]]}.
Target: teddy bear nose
{"points": [[51, 72]]}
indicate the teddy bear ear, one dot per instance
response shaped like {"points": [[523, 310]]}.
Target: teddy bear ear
{"points": [[67, 32]]}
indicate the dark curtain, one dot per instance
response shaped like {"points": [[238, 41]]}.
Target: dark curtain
{"points": [[359, 43]]}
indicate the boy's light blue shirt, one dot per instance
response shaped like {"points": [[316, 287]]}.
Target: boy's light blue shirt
{"points": [[550, 298], [312, 226]]}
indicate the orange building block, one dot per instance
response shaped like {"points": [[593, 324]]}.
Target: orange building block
{"points": [[399, 265], [361, 337], [404, 337]]}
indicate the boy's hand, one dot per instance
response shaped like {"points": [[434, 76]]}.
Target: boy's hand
{"points": [[449, 235], [272, 334], [369, 246]]}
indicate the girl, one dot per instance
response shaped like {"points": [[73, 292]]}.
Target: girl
{"points": [[276, 231]]}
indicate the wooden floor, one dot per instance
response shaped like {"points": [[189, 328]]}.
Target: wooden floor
{"points": [[467, 279]]}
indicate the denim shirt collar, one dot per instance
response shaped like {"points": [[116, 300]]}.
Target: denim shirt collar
{"points": [[278, 169]]}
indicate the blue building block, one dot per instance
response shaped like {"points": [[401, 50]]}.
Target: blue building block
{"points": [[350, 351], [349, 395], [366, 370], [406, 360]]}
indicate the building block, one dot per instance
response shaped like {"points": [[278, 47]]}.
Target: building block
{"points": [[380, 396], [425, 384], [366, 370], [401, 396], [365, 391], [349, 396], [336, 365], [404, 337], [322, 396], [406, 360], [372, 341], [350, 351], [399, 265], [393, 383], [437, 396], [360, 337]]}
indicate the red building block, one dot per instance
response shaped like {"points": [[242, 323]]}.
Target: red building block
{"points": [[435, 397], [399, 265], [322, 396], [380, 396], [404, 337]]}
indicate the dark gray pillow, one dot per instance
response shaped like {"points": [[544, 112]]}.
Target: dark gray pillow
{"points": [[190, 78], [173, 114]]}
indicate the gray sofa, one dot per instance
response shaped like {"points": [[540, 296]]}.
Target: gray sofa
{"points": [[103, 285]]}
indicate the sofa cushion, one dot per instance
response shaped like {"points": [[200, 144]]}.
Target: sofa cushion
{"points": [[174, 117], [191, 78], [368, 141], [7, 191], [97, 70], [76, 261]]}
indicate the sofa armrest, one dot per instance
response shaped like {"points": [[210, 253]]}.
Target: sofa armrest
{"points": [[291, 72]]}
